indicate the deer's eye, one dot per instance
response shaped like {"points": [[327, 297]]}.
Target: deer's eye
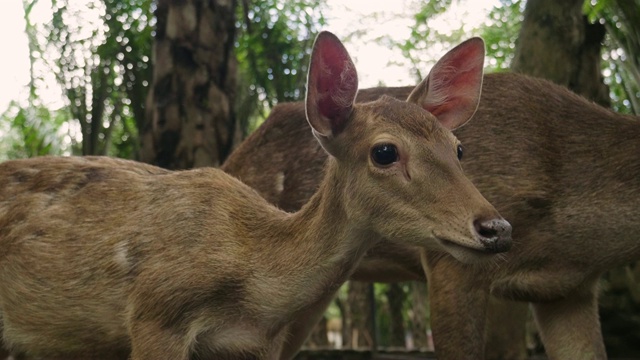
{"points": [[459, 152], [384, 154]]}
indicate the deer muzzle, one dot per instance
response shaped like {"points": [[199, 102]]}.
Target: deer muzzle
{"points": [[494, 234]]}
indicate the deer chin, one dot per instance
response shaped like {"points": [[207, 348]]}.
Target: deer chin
{"points": [[465, 254]]}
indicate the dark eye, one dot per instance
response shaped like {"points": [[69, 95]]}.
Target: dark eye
{"points": [[459, 152], [384, 154]]}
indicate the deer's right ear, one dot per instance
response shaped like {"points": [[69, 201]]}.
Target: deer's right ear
{"points": [[451, 92], [332, 85]]}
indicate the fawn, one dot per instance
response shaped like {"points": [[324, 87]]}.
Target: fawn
{"points": [[102, 256]]}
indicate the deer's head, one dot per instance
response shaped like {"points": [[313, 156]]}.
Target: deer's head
{"points": [[399, 161]]}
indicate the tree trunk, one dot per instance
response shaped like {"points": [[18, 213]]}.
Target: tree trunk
{"points": [[190, 120], [418, 317], [396, 298], [557, 43], [357, 323], [345, 320], [319, 339], [619, 311]]}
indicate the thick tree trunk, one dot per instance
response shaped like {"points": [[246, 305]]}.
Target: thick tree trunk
{"points": [[190, 119], [557, 43]]}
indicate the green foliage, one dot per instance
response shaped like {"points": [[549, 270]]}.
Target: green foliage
{"points": [[103, 68], [621, 50], [500, 33], [32, 131], [424, 37], [100, 55], [273, 48], [594, 9]]}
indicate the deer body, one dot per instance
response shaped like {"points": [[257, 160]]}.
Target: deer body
{"points": [[101, 256], [559, 168], [569, 186], [182, 280]]}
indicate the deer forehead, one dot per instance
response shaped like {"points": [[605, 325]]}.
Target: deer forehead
{"points": [[389, 117]]}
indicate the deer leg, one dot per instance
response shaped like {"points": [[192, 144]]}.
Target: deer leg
{"points": [[570, 327], [298, 334], [4, 351], [458, 307], [506, 336], [299, 330], [4, 354]]}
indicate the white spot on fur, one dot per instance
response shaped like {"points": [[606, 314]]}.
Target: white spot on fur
{"points": [[121, 254], [279, 182], [233, 338], [238, 338]]}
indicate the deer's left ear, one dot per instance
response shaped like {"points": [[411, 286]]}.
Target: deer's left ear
{"points": [[451, 92], [332, 85]]}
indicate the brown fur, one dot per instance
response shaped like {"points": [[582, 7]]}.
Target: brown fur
{"points": [[103, 256], [562, 170]]}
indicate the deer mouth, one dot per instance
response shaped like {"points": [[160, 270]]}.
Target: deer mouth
{"points": [[465, 254]]}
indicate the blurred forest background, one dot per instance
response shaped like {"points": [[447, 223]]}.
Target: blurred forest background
{"points": [[180, 83]]}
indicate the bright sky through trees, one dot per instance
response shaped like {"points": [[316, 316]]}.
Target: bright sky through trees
{"points": [[371, 18]]}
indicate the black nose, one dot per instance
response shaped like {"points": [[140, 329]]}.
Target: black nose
{"points": [[495, 234]]}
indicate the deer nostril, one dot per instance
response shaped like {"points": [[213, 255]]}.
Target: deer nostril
{"points": [[495, 234], [486, 229]]}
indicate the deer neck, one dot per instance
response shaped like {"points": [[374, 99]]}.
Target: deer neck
{"points": [[310, 253], [324, 232]]}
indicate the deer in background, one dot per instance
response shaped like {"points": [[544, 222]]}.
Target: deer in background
{"points": [[101, 256], [562, 170]]}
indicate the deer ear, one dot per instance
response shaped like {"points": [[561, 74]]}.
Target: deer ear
{"points": [[452, 90], [332, 85]]}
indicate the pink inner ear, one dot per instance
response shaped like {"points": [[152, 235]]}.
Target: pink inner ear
{"points": [[452, 89], [463, 54], [336, 83], [437, 111], [464, 84]]}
